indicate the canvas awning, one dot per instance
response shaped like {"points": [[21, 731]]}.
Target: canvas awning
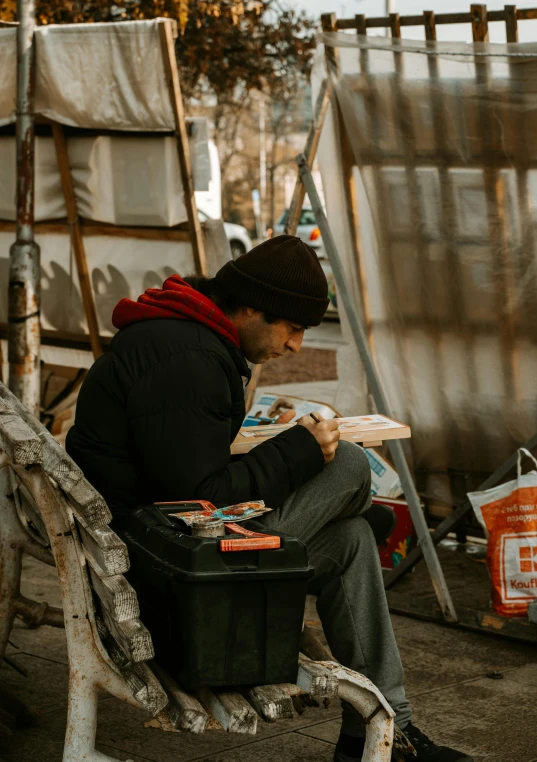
{"points": [[73, 82]]}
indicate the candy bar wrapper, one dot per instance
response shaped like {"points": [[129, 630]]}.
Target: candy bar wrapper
{"points": [[230, 513]]}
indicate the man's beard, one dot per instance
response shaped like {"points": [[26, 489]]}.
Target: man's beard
{"points": [[260, 354]]}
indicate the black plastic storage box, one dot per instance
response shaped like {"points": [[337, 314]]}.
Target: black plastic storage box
{"points": [[217, 618]]}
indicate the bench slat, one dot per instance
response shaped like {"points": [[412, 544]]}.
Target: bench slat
{"points": [[231, 710], [132, 637], [104, 550], [315, 679], [116, 595], [56, 462], [88, 505], [92, 508], [144, 687], [184, 711], [271, 702], [22, 446], [142, 683]]}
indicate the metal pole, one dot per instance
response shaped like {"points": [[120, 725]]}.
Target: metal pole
{"points": [[390, 8], [24, 269], [379, 395], [262, 164]]}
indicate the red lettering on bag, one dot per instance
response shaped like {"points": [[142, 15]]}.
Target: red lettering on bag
{"points": [[526, 585]]}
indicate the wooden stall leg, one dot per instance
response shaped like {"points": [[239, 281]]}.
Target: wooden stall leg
{"points": [[76, 237], [185, 163]]}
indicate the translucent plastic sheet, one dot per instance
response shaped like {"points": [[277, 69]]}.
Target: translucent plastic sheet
{"points": [[442, 136]]}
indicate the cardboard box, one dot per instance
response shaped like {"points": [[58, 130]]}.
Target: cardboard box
{"points": [[384, 478]]}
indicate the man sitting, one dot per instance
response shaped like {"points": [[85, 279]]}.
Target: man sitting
{"points": [[156, 416]]}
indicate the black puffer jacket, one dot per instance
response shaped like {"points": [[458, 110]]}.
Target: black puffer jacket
{"points": [[156, 416]]}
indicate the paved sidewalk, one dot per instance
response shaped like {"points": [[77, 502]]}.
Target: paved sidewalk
{"points": [[446, 674]]}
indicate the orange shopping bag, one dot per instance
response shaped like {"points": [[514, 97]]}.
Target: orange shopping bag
{"points": [[508, 514]]}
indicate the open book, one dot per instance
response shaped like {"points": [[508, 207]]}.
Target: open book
{"points": [[368, 430]]}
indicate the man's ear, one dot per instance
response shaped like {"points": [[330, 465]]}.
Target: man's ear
{"points": [[242, 315]]}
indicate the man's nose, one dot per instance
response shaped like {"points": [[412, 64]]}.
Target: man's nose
{"points": [[294, 343]]}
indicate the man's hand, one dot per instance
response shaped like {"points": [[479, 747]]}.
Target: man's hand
{"points": [[326, 432]]}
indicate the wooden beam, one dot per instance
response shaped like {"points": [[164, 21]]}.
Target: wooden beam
{"points": [[87, 504], [76, 238], [184, 711], [361, 23], [230, 709], [465, 17], [511, 23], [90, 228], [271, 702], [329, 24], [183, 149], [104, 550], [316, 680], [21, 445], [312, 143], [430, 26], [131, 636], [140, 679], [480, 27], [117, 596], [444, 228], [395, 25], [529, 14]]}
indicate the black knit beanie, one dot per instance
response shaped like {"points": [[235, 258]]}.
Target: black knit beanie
{"points": [[281, 276]]}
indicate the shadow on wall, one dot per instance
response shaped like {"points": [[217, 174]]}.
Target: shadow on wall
{"points": [[62, 308], [153, 280], [61, 303], [110, 288]]}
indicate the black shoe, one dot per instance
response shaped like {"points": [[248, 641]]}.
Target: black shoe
{"points": [[349, 749], [429, 751], [382, 520]]}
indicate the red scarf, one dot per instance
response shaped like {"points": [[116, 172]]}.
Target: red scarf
{"points": [[176, 299]]}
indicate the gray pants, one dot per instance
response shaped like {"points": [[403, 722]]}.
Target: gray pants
{"points": [[325, 514]]}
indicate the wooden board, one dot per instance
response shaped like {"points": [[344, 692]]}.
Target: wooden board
{"points": [[77, 242], [365, 429], [22, 445]]}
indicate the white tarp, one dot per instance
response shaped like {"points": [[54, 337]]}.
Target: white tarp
{"points": [[104, 77], [97, 76], [8, 76], [124, 180]]}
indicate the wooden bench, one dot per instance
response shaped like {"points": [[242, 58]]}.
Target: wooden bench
{"points": [[48, 509]]}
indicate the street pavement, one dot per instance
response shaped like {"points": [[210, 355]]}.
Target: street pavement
{"points": [[454, 700]]}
